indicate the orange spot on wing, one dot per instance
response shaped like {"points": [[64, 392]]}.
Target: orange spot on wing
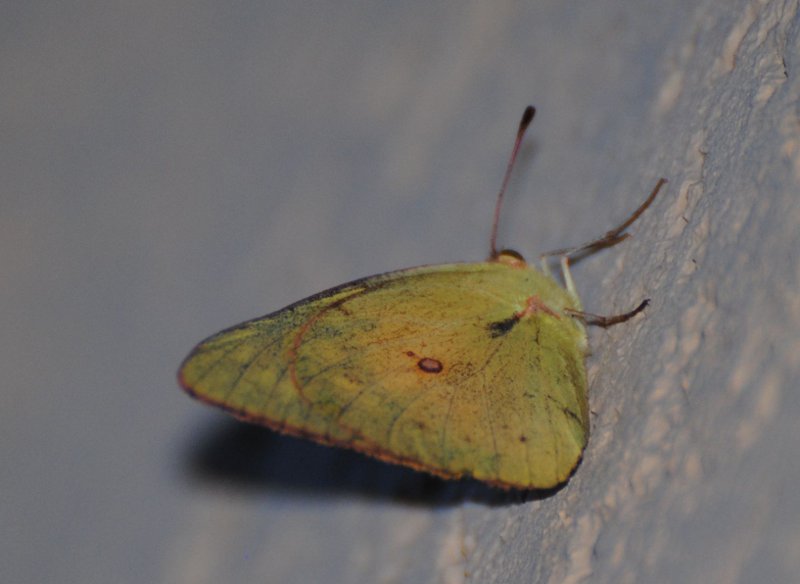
{"points": [[429, 365]]}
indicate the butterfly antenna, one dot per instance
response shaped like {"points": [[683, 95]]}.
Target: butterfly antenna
{"points": [[527, 116]]}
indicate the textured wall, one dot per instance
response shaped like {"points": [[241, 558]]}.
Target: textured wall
{"points": [[171, 168]]}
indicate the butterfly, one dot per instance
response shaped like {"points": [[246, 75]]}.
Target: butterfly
{"points": [[464, 369]]}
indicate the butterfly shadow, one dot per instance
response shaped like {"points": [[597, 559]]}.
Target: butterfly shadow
{"points": [[248, 457]]}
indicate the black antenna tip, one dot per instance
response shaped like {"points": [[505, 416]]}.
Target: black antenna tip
{"points": [[527, 116]]}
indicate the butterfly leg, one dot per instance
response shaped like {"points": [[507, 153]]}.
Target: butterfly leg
{"points": [[545, 266], [607, 321], [569, 282], [610, 238], [588, 317]]}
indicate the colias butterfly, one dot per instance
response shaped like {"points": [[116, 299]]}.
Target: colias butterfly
{"points": [[468, 369]]}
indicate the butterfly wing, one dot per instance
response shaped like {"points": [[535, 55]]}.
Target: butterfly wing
{"points": [[440, 368]]}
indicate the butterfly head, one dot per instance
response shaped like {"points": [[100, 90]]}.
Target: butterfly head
{"points": [[509, 257]]}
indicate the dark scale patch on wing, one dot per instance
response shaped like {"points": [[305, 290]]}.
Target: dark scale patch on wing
{"points": [[572, 415], [429, 365], [502, 327]]}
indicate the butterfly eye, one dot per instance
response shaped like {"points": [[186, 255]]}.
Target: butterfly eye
{"points": [[510, 258]]}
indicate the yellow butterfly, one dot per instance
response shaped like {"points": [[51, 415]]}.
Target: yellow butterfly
{"points": [[470, 369]]}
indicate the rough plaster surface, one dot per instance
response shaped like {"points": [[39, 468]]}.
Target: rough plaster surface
{"points": [[172, 168]]}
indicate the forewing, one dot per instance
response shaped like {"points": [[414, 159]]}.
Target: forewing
{"points": [[426, 367]]}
